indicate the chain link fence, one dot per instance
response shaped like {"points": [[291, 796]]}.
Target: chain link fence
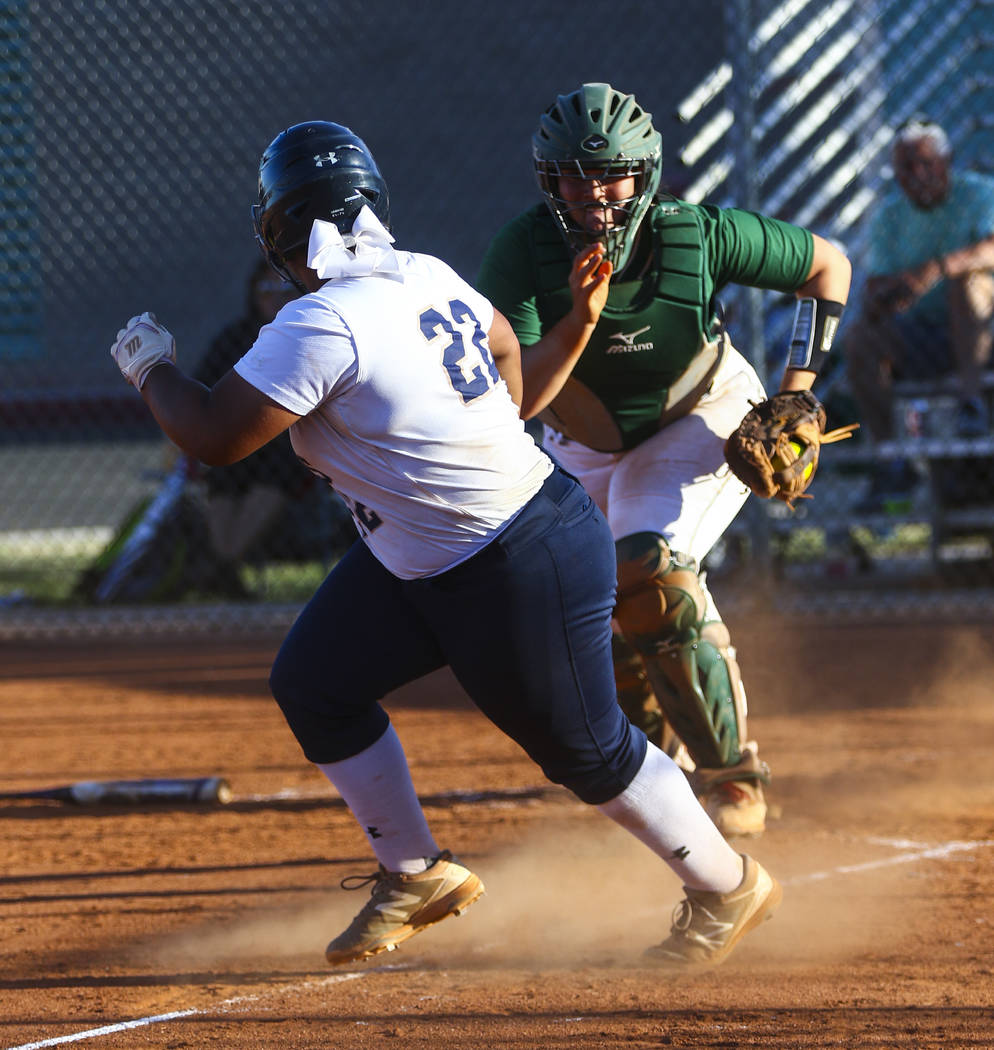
{"points": [[129, 146], [799, 121]]}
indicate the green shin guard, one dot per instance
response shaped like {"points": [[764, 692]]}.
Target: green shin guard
{"points": [[694, 687], [690, 664]]}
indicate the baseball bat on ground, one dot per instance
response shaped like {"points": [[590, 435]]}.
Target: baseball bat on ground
{"points": [[130, 792]]}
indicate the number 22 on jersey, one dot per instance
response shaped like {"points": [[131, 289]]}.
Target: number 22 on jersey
{"points": [[472, 369]]}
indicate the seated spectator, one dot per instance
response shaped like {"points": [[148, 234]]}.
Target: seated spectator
{"points": [[246, 499], [928, 303]]}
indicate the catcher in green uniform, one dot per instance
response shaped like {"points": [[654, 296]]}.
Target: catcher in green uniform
{"points": [[611, 287]]}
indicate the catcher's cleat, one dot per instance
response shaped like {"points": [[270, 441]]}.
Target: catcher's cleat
{"points": [[402, 905], [738, 808], [707, 926]]}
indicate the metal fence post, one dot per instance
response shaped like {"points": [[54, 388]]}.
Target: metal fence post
{"points": [[745, 188]]}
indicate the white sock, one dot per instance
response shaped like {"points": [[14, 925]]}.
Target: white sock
{"points": [[377, 788], [660, 809]]}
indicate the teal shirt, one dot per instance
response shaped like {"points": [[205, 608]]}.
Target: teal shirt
{"points": [[656, 323], [903, 236]]}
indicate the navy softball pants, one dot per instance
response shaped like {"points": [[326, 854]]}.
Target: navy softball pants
{"points": [[525, 625]]}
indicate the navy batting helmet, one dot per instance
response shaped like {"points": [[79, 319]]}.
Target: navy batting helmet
{"points": [[316, 170]]}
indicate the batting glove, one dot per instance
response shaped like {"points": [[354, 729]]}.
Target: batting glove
{"points": [[140, 346]]}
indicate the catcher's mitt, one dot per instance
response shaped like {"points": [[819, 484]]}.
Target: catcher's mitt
{"points": [[774, 450]]}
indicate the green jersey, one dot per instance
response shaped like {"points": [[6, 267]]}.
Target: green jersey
{"points": [[658, 341]]}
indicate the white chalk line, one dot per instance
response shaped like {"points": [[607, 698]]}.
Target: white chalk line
{"points": [[174, 1015], [914, 851]]}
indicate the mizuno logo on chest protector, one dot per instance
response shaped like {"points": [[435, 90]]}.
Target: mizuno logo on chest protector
{"points": [[624, 342]]}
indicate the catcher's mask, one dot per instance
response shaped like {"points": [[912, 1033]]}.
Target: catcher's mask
{"points": [[598, 133], [316, 170]]}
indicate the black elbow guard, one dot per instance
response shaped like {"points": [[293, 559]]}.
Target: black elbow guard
{"points": [[815, 324]]}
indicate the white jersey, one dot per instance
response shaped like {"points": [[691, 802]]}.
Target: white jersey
{"points": [[402, 410]]}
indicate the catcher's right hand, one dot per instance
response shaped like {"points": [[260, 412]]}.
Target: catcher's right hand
{"points": [[141, 345], [774, 450]]}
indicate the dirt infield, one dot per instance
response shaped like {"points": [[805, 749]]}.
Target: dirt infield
{"points": [[193, 927]]}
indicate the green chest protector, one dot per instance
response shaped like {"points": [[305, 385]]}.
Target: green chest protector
{"points": [[655, 349]]}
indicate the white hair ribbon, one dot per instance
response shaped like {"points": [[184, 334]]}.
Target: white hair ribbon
{"points": [[365, 251]]}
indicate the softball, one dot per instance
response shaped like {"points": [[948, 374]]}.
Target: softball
{"points": [[779, 464]]}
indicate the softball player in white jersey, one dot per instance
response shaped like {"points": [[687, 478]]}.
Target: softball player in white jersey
{"points": [[400, 385]]}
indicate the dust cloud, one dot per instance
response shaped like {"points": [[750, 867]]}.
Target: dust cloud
{"points": [[578, 894]]}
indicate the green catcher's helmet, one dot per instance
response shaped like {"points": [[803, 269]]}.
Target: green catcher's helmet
{"points": [[593, 132]]}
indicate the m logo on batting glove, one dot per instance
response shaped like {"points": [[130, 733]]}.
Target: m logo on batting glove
{"points": [[140, 346]]}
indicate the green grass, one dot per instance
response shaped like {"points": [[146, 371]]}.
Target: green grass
{"points": [[285, 581], [60, 581]]}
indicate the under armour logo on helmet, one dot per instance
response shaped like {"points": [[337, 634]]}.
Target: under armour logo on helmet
{"points": [[320, 159], [593, 143]]}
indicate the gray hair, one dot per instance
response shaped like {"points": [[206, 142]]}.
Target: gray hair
{"points": [[919, 128]]}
